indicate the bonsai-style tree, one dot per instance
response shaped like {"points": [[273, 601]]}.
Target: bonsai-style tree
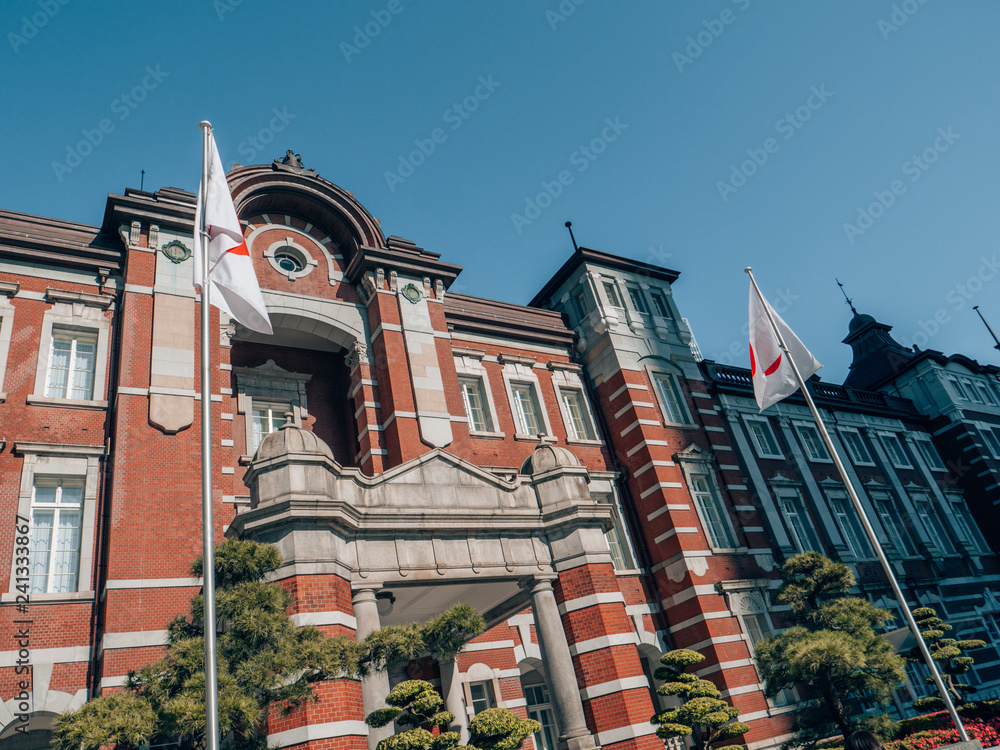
{"points": [[417, 709], [834, 650], [947, 652], [265, 663], [703, 714]]}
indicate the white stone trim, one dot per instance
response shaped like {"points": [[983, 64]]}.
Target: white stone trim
{"points": [[698, 618], [625, 733], [301, 619], [614, 686], [660, 486], [604, 641], [589, 601], [488, 646], [134, 639], [61, 655], [151, 583], [309, 732]]}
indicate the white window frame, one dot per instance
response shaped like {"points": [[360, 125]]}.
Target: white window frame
{"points": [[7, 290], [537, 708], [76, 339], [586, 415], [655, 294], [804, 428], [990, 438], [637, 298], [986, 393], [850, 447], [751, 604], [888, 438], [965, 521], [613, 295], [469, 364], [930, 516], [887, 508], [468, 384], [848, 523], [71, 463], [712, 503], [603, 492], [272, 385], [673, 388], [928, 451], [516, 373], [794, 495], [476, 674], [958, 387], [57, 507], [761, 452], [73, 312]]}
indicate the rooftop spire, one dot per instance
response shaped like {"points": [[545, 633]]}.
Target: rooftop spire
{"points": [[850, 302]]}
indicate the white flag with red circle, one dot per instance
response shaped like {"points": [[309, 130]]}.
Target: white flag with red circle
{"points": [[232, 282], [773, 377]]}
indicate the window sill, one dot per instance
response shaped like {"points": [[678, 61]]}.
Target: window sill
{"points": [[245, 460], [570, 441], [681, 425], [67, 403], [771, 456], [57, 598], [487, 435], [528, 438], [628, 572]]}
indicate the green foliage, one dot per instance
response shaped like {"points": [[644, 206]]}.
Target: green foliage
{"points": [[703, 714], [265, 662], [882, 726], [834, 650], [500, 729], [948, 653]]}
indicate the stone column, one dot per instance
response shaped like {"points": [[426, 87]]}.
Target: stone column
{"points": [[374, 687], [454, 697], [559, 667]]}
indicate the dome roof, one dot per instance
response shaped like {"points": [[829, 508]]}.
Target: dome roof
{"points": [[291, 439], [547, 457], [859, 321]]}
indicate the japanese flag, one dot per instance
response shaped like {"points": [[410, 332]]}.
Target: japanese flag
{"points": [[773, 378], [233, 283]]}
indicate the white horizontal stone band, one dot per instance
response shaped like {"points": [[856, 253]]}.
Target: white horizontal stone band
{"points": [[317, 732], [152, 583], [325, 618], [488, 646], [614, 686], [134, 639], [64, 655], [605, 641], [625, 733], [589, 601]]}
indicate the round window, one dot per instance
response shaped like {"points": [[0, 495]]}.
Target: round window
{"points": [[288, 260]]}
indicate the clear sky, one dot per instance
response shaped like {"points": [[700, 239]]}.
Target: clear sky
{"points": [[702, 136]]}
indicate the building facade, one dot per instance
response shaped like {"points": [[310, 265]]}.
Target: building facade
{"points": [[569, 468]]}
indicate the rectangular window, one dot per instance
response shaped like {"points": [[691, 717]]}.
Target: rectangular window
{"points": [[482, 696], [891, 520], [72, 363], [985, 393], [758, 628], [56, 530], [611, 290], [812, 442], [578, 424], [930, 455], [991, 440], [966, 523], [540, 709], [267, 417], [849, 524], [931, 520], [670, 399], [476, 410], [635, 296], [660, 306], [800, 528], [894, 449], [712, 514], [621, 555], [582, 304], [856, 447], [763, 437], [956, 384], [527, 415]]}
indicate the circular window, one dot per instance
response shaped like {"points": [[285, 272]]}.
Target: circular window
{"points": [[288, 261]]}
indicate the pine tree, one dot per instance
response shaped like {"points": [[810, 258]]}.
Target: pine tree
{"points": [[703, 714], [949, 655], [833, 651], [264, 661]]}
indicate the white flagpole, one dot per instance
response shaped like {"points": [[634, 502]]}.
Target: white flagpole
{"points": [[872, 537], [208, 542]]}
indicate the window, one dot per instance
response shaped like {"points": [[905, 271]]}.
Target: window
{"points": [[660, 306], [758, 628], [7, 289], [540, 709], [985, 393], [635, 295], [611, 290], [991, 440], [267, 418], [966, 523], [582, 304], [621, 555], [576, 415], [482, 696], [931, 520], [476, 410], [894, 449], [72, 364], [670, 398], [956, 384], [800, 528], [849, 523], [763, 438], [287, 257], [891, 521], [812, 442], [856, 447], [56, 529], [711, 512], [526, 411], [930, 454]]}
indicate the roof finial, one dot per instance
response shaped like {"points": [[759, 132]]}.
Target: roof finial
{"points": [[850, 302], [569, 226]]}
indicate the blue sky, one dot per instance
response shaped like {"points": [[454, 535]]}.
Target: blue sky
{"points": [[702, 136]]}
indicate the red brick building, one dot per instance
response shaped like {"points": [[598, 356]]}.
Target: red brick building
{"points": [[568, 468]]}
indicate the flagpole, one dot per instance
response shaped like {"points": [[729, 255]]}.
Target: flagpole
{"points": [[208, 541], [869, 530]]}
